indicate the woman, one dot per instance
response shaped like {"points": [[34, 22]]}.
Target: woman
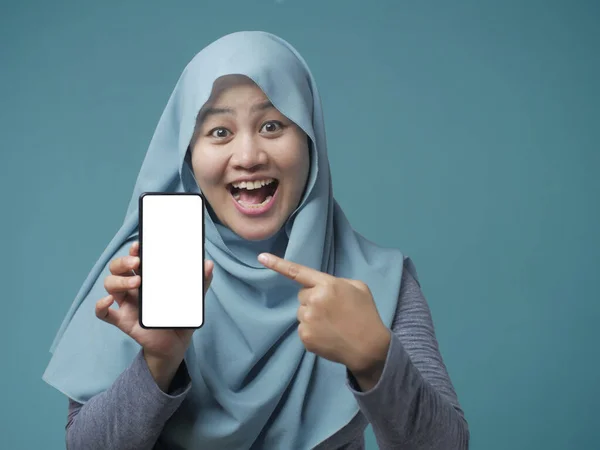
{"points": [[311, 331]]}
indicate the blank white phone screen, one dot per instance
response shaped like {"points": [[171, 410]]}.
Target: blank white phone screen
{"points": [[172, 260]]}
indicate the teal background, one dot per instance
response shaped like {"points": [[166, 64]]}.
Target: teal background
{"points": [[465, 133]]}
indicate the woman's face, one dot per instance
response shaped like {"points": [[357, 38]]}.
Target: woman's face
{"points": [[249, 160]]}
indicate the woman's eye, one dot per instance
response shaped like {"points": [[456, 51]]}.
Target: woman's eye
{"points": [[219, 133], [271, 126]]}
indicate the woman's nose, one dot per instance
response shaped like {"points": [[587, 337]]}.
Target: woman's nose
{"points": [[248, 153]]}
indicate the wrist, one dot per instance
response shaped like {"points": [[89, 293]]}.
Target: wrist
{"points": [[370, 360], [162, 369]]}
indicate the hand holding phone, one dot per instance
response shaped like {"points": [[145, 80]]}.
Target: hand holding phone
{"points": [[123, 287]]}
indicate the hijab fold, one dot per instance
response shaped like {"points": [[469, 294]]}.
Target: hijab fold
{"points": [[254, 386]]}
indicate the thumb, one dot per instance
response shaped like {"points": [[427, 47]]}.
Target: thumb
{"points": [[208, 274], [105, 313]]}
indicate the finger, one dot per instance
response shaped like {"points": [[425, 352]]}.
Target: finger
{"points": [[301, 313], [360, 285], [134, 250], [208, 272], [124, 265], [303, 296], [115, 284], [105, 313], [304, 275]]}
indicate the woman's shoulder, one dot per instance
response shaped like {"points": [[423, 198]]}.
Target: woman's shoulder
{"points": [[409, 271]]}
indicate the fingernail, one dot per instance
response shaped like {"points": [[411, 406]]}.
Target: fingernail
{"points": [[263, 258], [132, 281]]}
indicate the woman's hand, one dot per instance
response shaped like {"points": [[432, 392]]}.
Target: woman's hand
{"points": [[338, 320], [164, 349]]}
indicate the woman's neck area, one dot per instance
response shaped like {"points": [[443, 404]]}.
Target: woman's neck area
{"points": [[247, 250]]}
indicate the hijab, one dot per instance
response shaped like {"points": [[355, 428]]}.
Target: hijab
{"points": [[254, 385]]}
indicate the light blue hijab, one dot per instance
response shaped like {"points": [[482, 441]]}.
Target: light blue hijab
{"points": [[253, 383]]}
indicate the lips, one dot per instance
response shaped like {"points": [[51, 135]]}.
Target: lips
{"points": [[254, 197]]}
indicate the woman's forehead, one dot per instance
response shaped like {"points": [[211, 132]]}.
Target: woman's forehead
{"points": [[229, 85], [228, 81], [232, 93]]}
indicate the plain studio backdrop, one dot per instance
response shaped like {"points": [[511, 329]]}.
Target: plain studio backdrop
{"points": [[465, 133]]}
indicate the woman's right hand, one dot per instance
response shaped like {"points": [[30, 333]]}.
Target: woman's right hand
{"points": [[161, 346]]}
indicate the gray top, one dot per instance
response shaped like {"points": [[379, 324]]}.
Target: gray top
{"points": [[413, 406]]}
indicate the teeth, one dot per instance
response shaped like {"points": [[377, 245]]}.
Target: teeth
{"points": [[249, 185], [253, 205]]}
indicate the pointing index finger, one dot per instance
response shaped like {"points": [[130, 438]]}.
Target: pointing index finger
{"points": [[304, 275]]}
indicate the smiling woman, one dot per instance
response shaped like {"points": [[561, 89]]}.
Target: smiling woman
{"points": [[250, 160], [312, 332]]}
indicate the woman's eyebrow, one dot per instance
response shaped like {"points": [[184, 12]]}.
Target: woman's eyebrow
{"points": [[214, 111], [211, 111], [262, 106]]}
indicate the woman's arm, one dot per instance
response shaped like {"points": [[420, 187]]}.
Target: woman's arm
{"points": [[413, 405], [130, 414]]}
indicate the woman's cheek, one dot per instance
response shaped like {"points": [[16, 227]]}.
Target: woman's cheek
{"points": [[208, 171]]}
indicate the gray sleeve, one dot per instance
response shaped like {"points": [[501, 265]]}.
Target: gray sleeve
{"points": [[414, 405], [129, 415]]}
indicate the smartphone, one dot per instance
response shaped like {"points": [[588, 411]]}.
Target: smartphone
{"points": [[171, 237]]}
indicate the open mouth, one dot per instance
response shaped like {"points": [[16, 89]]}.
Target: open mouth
{"points": [[254, 194]]}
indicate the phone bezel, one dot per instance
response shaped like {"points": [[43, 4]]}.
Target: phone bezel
{"points": [[140, 239]]}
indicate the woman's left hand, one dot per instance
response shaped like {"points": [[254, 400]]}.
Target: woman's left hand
{"points": [[338, 318]]}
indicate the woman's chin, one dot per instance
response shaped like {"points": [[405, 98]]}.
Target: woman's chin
{"points": [[255, 231]]}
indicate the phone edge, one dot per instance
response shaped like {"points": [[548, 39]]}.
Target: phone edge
{"points": [[140, 240]]}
